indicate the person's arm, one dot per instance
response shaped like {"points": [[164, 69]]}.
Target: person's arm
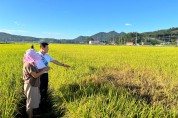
{"points": [[59, 63], [36, 75]]}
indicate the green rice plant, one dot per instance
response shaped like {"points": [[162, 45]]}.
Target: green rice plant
{"points": [[103, 81]]}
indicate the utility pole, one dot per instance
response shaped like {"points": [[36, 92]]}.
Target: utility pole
{"points": [[164, 40], [136, 39], [113, 39]]}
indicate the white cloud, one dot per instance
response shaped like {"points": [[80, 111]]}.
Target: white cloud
{"points": [[56, 35], [19, 24], [12, 31], [127, 24], [52, 33]]}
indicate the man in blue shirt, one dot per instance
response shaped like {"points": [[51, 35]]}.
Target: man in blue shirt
{"points": [[46, 58]]}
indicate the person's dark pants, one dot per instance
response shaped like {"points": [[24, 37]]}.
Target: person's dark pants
{"points": [[43, 86]]}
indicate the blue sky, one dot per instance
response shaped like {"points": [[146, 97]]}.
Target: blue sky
{"points": [[68, 19]]}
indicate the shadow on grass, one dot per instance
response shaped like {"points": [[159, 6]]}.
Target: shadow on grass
{"points": [[46, 110], [76, 91]]}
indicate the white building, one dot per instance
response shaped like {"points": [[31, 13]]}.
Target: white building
{"points": [[129, 43], [96, 43]]}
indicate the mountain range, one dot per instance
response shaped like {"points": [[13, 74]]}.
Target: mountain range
{"points": [[101, 36]]}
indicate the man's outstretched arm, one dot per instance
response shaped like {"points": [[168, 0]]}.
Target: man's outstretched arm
{"points": [[59, 63]]}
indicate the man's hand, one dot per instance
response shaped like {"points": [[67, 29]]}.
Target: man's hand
{"points": [[46, 68], [60, 64], [65, 65]]}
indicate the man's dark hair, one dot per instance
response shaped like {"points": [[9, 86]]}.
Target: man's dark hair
{"points": [[32, 47], [43, 44]]}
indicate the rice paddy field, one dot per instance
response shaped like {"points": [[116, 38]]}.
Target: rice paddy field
{"points": [[102, 82]]}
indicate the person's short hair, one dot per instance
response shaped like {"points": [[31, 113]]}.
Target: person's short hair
{"points": [[32, 47], [43, 44]]}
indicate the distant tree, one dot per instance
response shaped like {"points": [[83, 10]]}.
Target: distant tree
{"points": [[89, 39], [154, 41]]}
